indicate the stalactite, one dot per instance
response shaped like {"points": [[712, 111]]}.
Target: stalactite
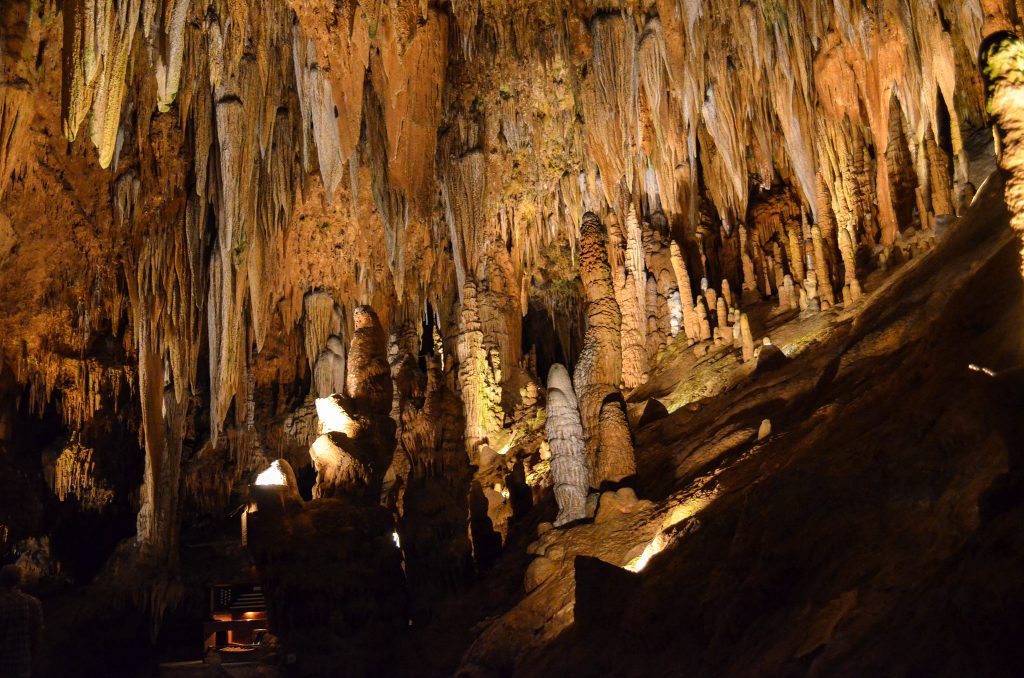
{"points": [[169, 57], [320, 320], [609, 100], [329, 370], [406, 72], [97, 43], [317, 105], [72, 473], [463, 189]]}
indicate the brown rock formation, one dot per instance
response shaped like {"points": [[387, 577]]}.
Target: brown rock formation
{"points": [[614, 462], [434, 526], [1001, 56], [599, 368]]}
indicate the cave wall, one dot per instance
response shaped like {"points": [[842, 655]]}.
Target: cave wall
{"points": [[196, 196]]}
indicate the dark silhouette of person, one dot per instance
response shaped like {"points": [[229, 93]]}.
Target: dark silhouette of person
{"points": [[21, 625]]}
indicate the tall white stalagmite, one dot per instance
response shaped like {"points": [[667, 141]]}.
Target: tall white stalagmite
{"points": [[570, 474]]}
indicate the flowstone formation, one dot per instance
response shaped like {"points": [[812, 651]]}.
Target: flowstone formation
{"points": [[374, 239]]}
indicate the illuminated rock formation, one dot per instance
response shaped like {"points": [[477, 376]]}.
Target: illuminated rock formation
{"points": [[1002, 65], [627, 267], [368, 379], [599, 367], [329, 369], [570, 474]]}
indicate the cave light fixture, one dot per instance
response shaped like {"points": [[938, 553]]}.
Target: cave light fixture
{"points": [[978, 368], [686, 508], [273, 475]]}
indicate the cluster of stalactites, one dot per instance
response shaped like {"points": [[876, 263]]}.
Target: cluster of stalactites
{"points": [[72, 473], [650, 96]]}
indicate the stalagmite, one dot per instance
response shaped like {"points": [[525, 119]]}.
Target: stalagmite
{"points": [[702, 320], [850, 285], [615, 461], [747, 338], [656, 338], [727, 293], [368, 380], [810, 291], [939, 191], [660, 269], [796, 253], [570, 474], [599, 368], [822, 277], [433, 523], [723, 329], [711, 298], [357, 438], [339, 470], [786, 293], [690, 325], [749, 277], [626, 264]]}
